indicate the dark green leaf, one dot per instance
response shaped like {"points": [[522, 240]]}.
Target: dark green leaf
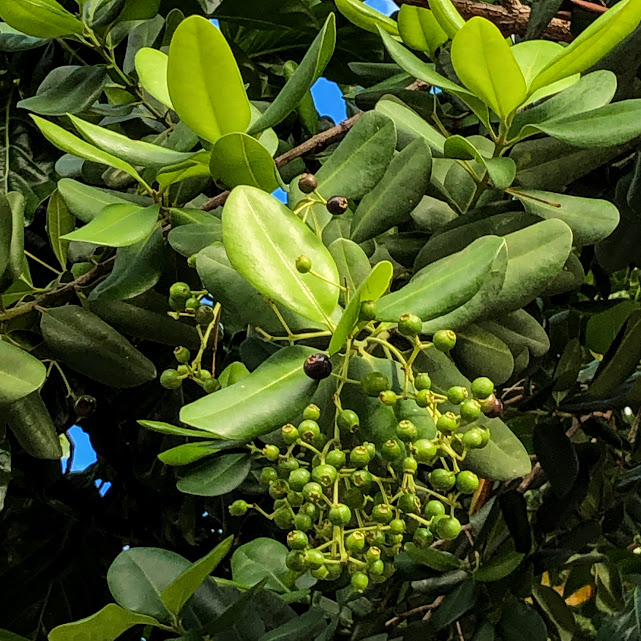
{"points": [[189, 452], [260, 559], [20, 373], [603, 327], [499, 568], [15, 202], [60, 221], [552, 603], [188, 240], [433, 558], [556, 455], [478, 352], [520, 623], [303, 628], [456, 604]]}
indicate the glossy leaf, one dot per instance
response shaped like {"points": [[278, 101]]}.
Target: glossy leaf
{"points": [[419, 29], [60, 221], [534, 55], [261, 559], [366, 17], [166, 428], [105, 625], [40, 18], [72, 332], [485, 64], [478, 352], [590, 219], [197, 166], [233, 373], [15, 203], [117, 226], [520, 622], [176, 594], [257, 229], [205, 85], [310, 69], [97, 13], [435, 559], [352, 264], [603, 327], [13, 40], [499, 568], [391, 202], [447, 16], [556, 609], [215, 476], [518, 330], [267, 398], [151, 67], [239, 159], [20, 373], [188, 453], [188, 240]]}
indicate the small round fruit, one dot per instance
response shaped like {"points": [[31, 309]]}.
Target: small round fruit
{"points": [[410, 325], [388, 397], [409, 503], [472, 439], [337, 205], [448, 527], [347, 421], [353, 498], [180, 291], [373, 553], [362, 479], [339, 514], [382, 513], [182, 354], [170, 379], [423, 381], [295, 499], [355, 542], [485, 433], [442, 480], [295, 560], [302, 522], [176, 305], [375, 538], [278, 489], [204, 315], [284, 518], [406, 431], [311, 412], [182, 370], [325, 475], [371, 448], [192, 303], [211, 385], [238, 508], [318, 366], [433, 508], [325, 530], [313, 492], [467, 482], [359, 581], [377, 568], [298, 479], [84, 406], [423, 537], [336, 458], [444, 340], [286, 466], [307, 183], [321, 573], [334, 572], [456, 394], [289, 433], [424, 450], [309, 430], [309, 509], [368, 310], [397, 526], [359, 456], [393, 539], [423, 397], [410, 465], [314, 558], [482, 387], [447, 422], [391, 450], [303, 264], [271, 452], [267, 475], [492, 406], [297, 540], [470, 410], [374, 383]]}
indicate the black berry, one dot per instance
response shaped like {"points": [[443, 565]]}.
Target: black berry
{"points": [[337, 205], [318, 366]]}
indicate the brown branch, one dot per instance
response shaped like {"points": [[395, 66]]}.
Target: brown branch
{"points": [[419, 610]]}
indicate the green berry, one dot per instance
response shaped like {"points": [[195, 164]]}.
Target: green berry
{"points": [[423, 381], [177, 305], [388, 397], [170, 379], [448, 527], [321, 573], [371, 448], [238, 508], [444, 340], [410, 465], [373, 553], [374, 383], [353, 498], [211, 385], [391, 450], [397, 526], [347, 421], [359, 456], [271, 452], [359, 581], [286, 466], [375, 538], [435, 520], [298, 479], [406, 431], [337, 205], [289, 433], [423, 537], [302, 522], [482, 387], [278, 489], [311, 412], [297, 540], [303, 264], [180, 291], [309, 509], [334, 571], [377, 568], [295, 560], [336, 458], [192, 303], [204, 315], [313, 492], [393, 539], [467, 482], [382, 513], [182, 354], [456, 394], [470, 410], [314, 558], [362, 479], [325, 530], [203, 375], [424, 450], [423, 398], [317, 366], [368, 310], [309, 430], [485, 433], [294, 498], [472, 439], [307, 183], [182, 370], [409, 503], [339, 514], [355, 542], [434, 508], [325, 475], [284, 518], [410, 325], [447, 422], [267, 475], [442, 480]]}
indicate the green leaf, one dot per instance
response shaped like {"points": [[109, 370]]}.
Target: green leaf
{"points": [[602, 328], [499, 568], [478, 352], [233, 373], [372, 288], [29, 420], [485, 64], [60, 221], [261, 559], [400, 190], [40, 18], [105, 625], [197, 166], [188, 453], [215, 477], [518, 330], [205, 84], [76, 91], [176, 594], [435, 559], [5, 478], [71, 333], [166, 428], [419, 29], [15, 203], [307, 626], [270, 396], [365, 17], [151, 67], [20, 373], [590, 219], [136, 152], [520, 622], [97, 13], [534, 55], [258, 229], [352, 264], [552, 603], [239, 159], [605, 33], [73, 145], [310, 69], [118, 226], [13, 40], [188, 240], [456, 604], [447, 16], [444, 285]]}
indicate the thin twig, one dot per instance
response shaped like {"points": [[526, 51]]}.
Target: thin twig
{"points": [[419, 610]]}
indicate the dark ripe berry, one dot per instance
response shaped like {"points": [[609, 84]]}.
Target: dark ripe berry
{"points": [[388, 397], [278, 489], [482, 387], [204, 315], [311, 412], [391, 450], [85, 405], [182, 354], [238, 508], [170, 379], [359, 456], [271, 452], [456, 394], [307, 183], [382, 513], [444, 340], [448, 527], [318, 366], [410, 465], [362, 479], [423, 397], [406, 431], [284, 518], [423, 537], [397, 526], [298, 479], [355, 542], [289, 433], [303, 264], [368, 310], [337, 205], [447, 422], [409, 503], [353, 498], [180, 291], [325, 475], [467, 482], [472, 439], [433, 508], [193, 303], [410, 325], [423, 381], [348, 421], [267, 475], [296, 561], [297, 540], [442, 480], [314, 558], [375, 383], [424, 450], [492, 406], [302, 522], [336, 458], [211, 385], [470, 410], [359, 581]]}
